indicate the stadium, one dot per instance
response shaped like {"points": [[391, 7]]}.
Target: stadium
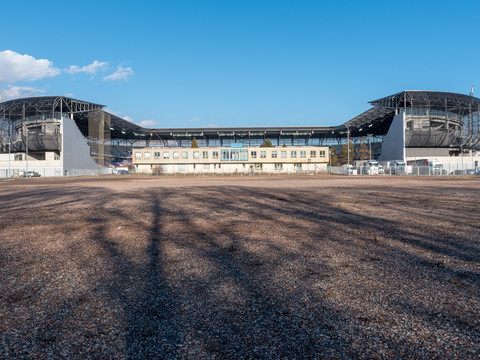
{"points": [[61, 136]]}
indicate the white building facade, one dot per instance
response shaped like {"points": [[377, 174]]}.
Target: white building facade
{"points": [[231, 160]]}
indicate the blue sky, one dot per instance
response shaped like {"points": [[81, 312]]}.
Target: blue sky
{"points": [[237, 63]]}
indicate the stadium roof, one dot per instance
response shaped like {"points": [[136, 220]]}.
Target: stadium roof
{"points": [[26, 107], [375, 121], [446, 101]]}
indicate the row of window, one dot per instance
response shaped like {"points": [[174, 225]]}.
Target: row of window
{"points": [[258, 166], [231, 154], [21, 157], [283, 154]]}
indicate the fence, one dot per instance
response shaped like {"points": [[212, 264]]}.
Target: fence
{"points": [[50, 172], [448, 170], [222, 172], [338, 170]]}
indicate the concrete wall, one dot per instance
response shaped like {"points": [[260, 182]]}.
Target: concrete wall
{"points": [[425, 152], [393, 147], [75, 150]]}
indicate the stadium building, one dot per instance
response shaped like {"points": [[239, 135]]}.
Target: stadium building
{"points": [[57, 135]]}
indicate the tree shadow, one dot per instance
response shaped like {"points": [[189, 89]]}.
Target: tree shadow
{"points": [[237, 272]]}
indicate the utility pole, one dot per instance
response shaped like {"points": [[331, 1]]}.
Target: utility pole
{"points": [[26, 156], [461, 149], [348, 145], [9, 153], [370, 145]]}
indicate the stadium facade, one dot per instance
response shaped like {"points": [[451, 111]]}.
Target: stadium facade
{"points": [[57, 135]]}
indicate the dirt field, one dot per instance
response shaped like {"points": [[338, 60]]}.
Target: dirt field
{"points": [[241, 267]]}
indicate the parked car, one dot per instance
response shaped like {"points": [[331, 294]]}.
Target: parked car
{"points": [[123, 172], [29, 174]]}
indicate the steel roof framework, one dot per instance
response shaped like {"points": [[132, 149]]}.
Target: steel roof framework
{"points": [[375, 121]]}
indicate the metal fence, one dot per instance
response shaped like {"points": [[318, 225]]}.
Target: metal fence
{"points": [[49, 172], [221, 172], [448, 170], [338, 170]]}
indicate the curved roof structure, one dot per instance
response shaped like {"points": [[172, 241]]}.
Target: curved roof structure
{"points": [[438, 100], [26, 107], [375, 121]]}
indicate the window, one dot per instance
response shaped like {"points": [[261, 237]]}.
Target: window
{"points": [[146, 156], [258, 166], [166, 155], [303, 154], [184, 154], [274, 154], [56, 156], [284, 154], [175, 154], [278, 166], [263, 154], [253, 154], [19, 157], [196, 154], [205, 155], [138, 155], [225, 155], [239, 154], [215, 154], [313, 153], [156, 154], [321, 153], [293, 154]]}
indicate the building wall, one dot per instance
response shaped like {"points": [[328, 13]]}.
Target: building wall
{"points": [[245, 160], [75, 150], [393, 147]]}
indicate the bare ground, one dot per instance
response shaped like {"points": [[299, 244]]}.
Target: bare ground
{"points": [[241, 267]]}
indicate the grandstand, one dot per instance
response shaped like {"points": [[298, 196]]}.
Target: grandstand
{"points": [[61, 134]]}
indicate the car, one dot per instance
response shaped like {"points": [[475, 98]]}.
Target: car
{"points": [[123, 172], [29, 174]]}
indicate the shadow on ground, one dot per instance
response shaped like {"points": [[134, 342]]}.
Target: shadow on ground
{"points": [[237, 272]]}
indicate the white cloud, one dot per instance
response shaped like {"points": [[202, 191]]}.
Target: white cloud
{"points": [[194, 119], [147, 123], [113, 112], [15, 92], [128, 118], [91, 69], [15, 67], [212, 125], [121, 74]]}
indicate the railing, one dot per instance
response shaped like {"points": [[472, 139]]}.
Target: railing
{"points": [[445, 170]]}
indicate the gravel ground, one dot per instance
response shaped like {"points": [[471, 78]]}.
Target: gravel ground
{"points": [[242, 267]]}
